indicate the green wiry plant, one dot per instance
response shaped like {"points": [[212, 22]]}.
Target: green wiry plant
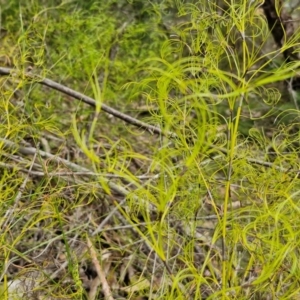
{"points": [[210, 198], [200, 86]]}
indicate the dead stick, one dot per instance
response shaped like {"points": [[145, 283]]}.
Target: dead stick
{"points": [[62, 88]]}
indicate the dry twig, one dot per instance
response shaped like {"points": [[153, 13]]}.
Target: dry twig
{"points": [[61, 88], [105, 287]]}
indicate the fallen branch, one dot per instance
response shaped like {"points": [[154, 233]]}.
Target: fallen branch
{"points": [[32, 151], [62, 88]]}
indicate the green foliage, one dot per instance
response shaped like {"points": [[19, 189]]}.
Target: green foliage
{"points": [[215, 205]]}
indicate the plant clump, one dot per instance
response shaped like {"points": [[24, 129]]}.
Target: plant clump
{"points": [[149, 150]]}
